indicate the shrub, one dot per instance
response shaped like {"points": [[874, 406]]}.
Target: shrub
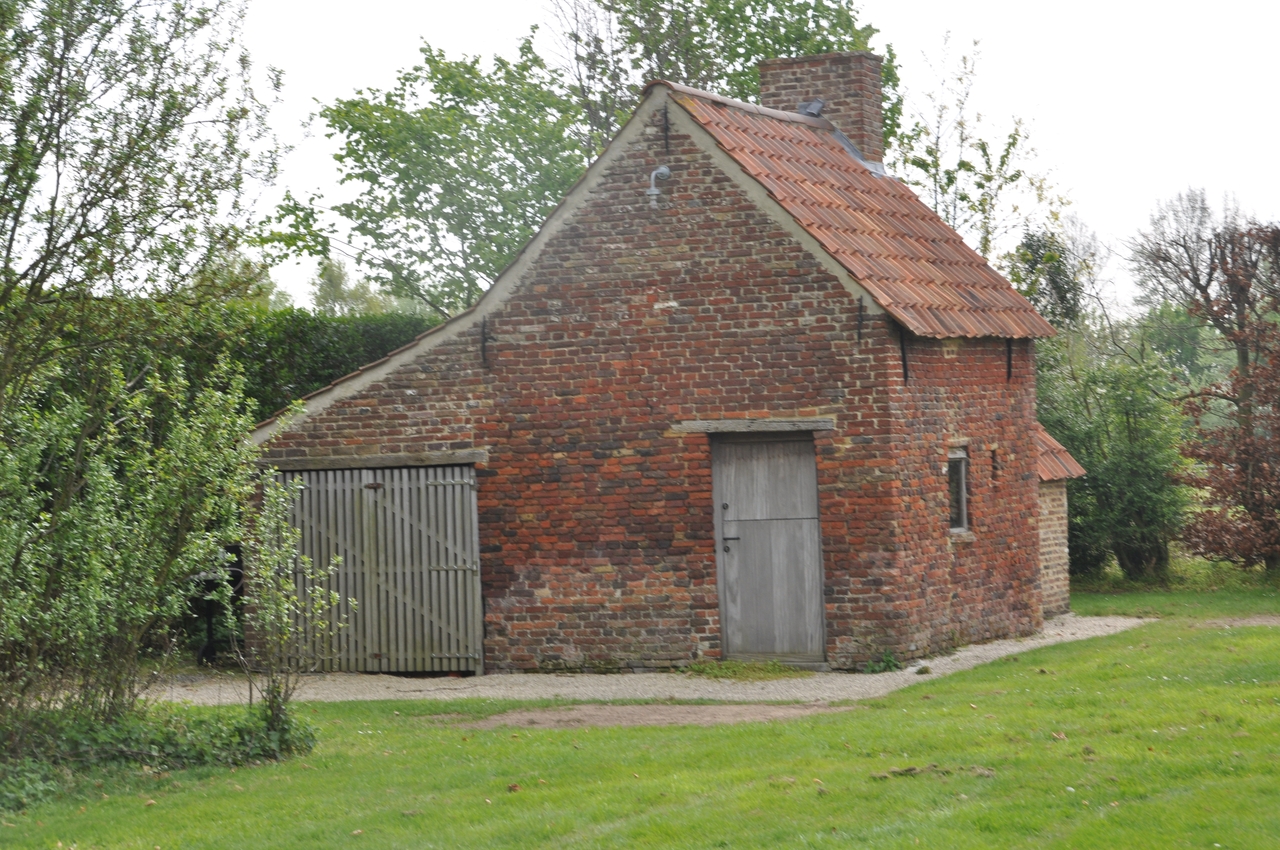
{"points": [[158, 736], [1109, 413], [286, 354], [886, 663]]}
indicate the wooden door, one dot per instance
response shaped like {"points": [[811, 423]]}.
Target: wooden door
{"points": [[769, 550], [409, 543]]}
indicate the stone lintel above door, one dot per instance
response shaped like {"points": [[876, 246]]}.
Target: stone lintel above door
{"points": [[750, 426]]}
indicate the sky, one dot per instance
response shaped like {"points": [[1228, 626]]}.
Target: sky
{"points": [[1127, 103]]}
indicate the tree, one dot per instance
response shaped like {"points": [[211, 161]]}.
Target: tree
{"points": [[1238, 464], [1107, 394], [1053, 270], [1223, 272], [458, 166], [1226, 274], [128, 132], [980, 188], [1115, 413], [333, 293], [611, 48], [116, 497]]}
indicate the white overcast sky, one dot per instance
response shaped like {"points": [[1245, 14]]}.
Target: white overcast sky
{"points": [[1128, 103]]}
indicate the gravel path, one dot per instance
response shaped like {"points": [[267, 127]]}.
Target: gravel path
{"points": [[821, 687]]}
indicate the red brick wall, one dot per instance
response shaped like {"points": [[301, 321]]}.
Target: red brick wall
{"points": [[984, 585], [597, 520]]}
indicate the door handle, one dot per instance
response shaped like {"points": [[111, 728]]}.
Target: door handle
{"points": [[726, 541]]}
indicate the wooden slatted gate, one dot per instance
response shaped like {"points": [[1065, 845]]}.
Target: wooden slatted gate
{"points": [[410, 549]]}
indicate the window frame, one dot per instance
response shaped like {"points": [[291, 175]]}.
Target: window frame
{"points": [[958, 461]]}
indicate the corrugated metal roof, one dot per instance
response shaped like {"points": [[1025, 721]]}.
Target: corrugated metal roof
{"points": [[1053, 461], [914, 265]]}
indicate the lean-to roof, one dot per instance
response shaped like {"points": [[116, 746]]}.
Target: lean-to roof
{"points": [[1053, 461]]}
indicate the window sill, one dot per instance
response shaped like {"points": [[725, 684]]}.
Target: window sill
{"points": [[963, 535]]}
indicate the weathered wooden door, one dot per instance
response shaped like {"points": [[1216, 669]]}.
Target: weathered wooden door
{"points": [[409, 543], [770, 547]]}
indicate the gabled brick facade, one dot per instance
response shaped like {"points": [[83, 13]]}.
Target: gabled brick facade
{"points": [[573, 383]]}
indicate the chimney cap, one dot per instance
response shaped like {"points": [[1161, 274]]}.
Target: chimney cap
{"points": [[812, 108]]}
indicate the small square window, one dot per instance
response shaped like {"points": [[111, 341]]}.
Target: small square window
{"points": [[958, 485]]}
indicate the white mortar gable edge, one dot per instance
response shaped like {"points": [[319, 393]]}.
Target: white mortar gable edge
{"points": [[510, 280]]}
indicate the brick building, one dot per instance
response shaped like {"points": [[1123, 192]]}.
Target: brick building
{"points": [[1055, 466], [770, 406]]}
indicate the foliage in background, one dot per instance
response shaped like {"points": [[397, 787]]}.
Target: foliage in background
{"points": [[1052, 273], [1224, 272], [1237, 469], [290, 619], [1190, 576], [285, 354], [333, 293], [981, 188], [117, 497], [1110, 416], [128, 133], [611, 48], [129, 130], [457, 166], [1108, 395]]}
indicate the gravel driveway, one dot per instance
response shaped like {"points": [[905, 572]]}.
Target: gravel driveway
{"points": [[819, 688]]}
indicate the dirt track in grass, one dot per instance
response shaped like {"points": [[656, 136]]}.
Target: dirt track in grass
{"points": [[1270, 620], [808, 695], [578, 716]]}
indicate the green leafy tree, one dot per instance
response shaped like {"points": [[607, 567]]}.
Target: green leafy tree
{"points": [[128, 133], [334, 294], [1052, 274], [116, 497], [1107, 390], [611, 48], [458, 165], [1194, 349], [1119, 419]]}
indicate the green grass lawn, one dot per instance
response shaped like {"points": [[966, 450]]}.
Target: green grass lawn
{"points": [[1166, 736]]}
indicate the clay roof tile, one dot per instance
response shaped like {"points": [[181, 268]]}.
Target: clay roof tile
{"points": [[907, 258], [1053, 461]]}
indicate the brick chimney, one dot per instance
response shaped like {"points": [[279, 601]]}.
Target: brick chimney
{"points": [[849, 83]]}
